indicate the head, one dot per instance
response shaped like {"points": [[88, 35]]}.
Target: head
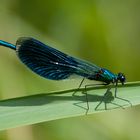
{"points": [[121, 78]]}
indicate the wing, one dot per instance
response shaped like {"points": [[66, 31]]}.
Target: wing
{"points": [[51, 63]]}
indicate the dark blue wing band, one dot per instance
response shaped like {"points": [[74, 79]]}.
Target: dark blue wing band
{"points": [[51, 63], [44, 60]]}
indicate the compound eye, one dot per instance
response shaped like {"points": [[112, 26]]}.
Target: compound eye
{"points": [[121, 77]]}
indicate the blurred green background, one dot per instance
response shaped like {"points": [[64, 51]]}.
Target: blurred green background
{"points": [[106, 33]]}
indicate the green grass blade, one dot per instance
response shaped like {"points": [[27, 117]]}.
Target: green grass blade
{"points": [[51, 106]]}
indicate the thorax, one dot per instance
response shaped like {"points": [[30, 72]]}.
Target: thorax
{"points": [[104, 75]]}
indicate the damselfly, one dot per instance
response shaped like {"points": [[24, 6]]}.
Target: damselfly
{"points": [[55, 65]]}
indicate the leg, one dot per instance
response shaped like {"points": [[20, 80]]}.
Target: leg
{"points": [[78, 87], [116, 89], [85, 92], [106, 98], [119, 97]]}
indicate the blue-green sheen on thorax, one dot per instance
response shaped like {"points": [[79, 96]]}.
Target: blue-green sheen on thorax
{"points": [[108, 76]]}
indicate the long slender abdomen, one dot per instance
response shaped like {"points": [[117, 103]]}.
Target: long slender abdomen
{"points": [[8, 45]]}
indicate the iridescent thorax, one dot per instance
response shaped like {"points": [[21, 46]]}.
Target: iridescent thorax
{"points": [[107, 76]]}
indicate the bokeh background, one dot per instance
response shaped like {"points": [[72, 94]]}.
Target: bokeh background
{"points": [[106, 33]]}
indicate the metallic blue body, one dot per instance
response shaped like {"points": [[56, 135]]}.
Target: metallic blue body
{"points": [[107, 76], [55, 65], [6, 44]]}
